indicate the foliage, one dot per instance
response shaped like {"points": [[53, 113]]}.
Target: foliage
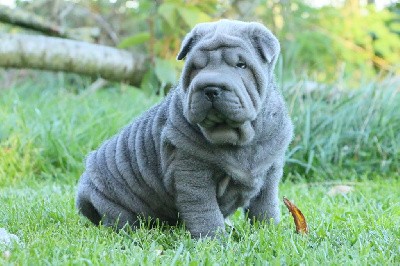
{"points": [[324, 43], [167, 23], [327, 41]]}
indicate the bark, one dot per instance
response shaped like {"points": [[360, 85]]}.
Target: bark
{"points": [[56, 54], [27, 20], [31, 21]]}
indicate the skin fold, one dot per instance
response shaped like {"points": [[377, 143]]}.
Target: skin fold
{"points": [[216, 142]]}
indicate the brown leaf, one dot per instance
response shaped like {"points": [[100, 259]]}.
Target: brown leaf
{"points": [[299, 219]]}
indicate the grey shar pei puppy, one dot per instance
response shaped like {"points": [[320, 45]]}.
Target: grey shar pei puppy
{"points": [[214, 144]]}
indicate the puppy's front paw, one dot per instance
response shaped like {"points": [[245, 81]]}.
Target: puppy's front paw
{"points": [[205, 225]]}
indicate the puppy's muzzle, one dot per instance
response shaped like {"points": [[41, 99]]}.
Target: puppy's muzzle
{"points": [[213, 93]]}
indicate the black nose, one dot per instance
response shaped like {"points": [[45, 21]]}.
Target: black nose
{"points": [[211, 93]]}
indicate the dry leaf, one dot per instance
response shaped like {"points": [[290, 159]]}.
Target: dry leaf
{"points": [[299, 219], [340, 189]]}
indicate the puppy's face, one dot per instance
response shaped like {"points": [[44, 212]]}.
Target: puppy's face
{"points": [[225, 79]]}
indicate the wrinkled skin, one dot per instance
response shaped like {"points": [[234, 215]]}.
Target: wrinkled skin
{"points": [[226, 63], [216, 143]]}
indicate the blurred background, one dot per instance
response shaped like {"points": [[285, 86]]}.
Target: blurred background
{"points": [[325, 40], [339, 72]]}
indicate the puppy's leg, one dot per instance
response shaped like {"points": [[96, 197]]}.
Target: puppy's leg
{"points": [[196, 200], [113, 214], [97, 207], [265, 206], [83, 202]]}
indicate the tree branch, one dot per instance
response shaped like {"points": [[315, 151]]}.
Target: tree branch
{"points": [[27, 20], [56, 54]]}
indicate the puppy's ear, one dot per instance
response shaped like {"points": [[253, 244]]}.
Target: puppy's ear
{"points": [[186, 45], [266, 44]]}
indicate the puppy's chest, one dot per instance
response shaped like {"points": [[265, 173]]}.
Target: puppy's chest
{"points": [[227, 184], [242, 175], [241, 178], [245, 166], [232, 194]]}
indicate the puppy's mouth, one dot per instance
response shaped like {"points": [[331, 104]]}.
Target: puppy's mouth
{"points": [[215, 119], [219, 129]]}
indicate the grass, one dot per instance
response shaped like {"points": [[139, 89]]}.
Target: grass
{"points": [[48, 125], [47, 131], [47, 128], [360, 228], [342, 133]]}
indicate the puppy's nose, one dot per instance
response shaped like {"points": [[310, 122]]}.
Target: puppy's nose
{"points": [[212, 92]]}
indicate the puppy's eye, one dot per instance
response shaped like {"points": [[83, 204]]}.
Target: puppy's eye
{"points": [[241, 65]]}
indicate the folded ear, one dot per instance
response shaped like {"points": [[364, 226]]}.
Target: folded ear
{"points": [[186, 45], [266, 44]]}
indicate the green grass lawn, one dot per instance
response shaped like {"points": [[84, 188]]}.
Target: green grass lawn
{"points": [[47, 128], [360, 228]]}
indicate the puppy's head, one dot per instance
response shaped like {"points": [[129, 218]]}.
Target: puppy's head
{"points": [[226, 78]]}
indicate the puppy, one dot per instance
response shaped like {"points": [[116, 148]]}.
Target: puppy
{"points": [[216, 143]]}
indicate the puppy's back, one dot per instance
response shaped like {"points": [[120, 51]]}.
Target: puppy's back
{"points": [[124, 174]]}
